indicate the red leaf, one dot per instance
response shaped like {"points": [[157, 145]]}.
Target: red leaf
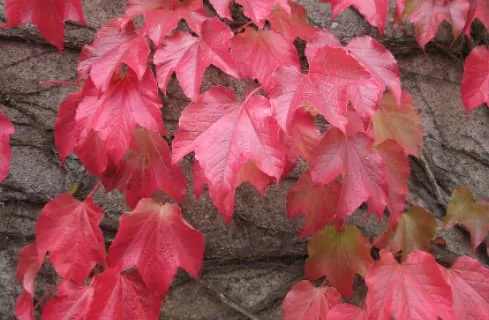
{"points": [[414, 290], [320, 39], [6, 129], [28, 266], [145, 169], [114, 114], [363, 171], [190, 56], [374, 11], [71, 302], [306, 302], [475, 82], [339, 79], [398, 174], [24, 306], [338, 255], [427, 15], [225, 134], [479, 9], [470, 289], [122, 296], [69, 230], [64, 137], [116, 44], [293, 24], [162, 16], [157, 241], [259, 53], [259, 10], [222, 8], [345, 311], [317, 202], [378, 61], [399, 122], [47, 15]]}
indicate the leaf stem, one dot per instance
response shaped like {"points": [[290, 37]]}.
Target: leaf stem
{"points": [[95, 189]]}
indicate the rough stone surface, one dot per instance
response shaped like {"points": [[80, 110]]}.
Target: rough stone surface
{"points": [[252, 263]]}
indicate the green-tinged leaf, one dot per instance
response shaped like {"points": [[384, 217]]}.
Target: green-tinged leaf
{"points": [[414, 231], [400, 123], [473, 215], [338, 255]]}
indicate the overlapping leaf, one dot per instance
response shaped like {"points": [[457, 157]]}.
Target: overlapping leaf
{"points": [[293, 24], [258, 10], [414, 231], [189, 56], [225, 134], [470, 289], [415, 289], [479, 9], [317, 202], [122, 296], [475, 82], [162, 16], [427, 15], [6, 129], [398, 173], [145, 169], [338, 255], [374, 11], [258, 53], [399, 122], [115, 45], [345, 311], [71, 302], [474, 215], [28, 266], [48, 15], [157, 241], [306, 302], [362, 168], [69, 230]]}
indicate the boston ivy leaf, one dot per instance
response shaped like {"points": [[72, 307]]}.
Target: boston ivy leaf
{"points": [[161, 17], [259, 10], [427, 15], [362, 168], [473, 215], [69, 230], [317, 202], [374, 11], [414, 232], [470, 289], [398, 174], [6, 129], [156, 240], [475, 82], [222, 8], [113, 114], [293, 24], [189, 56], [378, 61], [225, 134], [479, 9], [48, 15], [345, 311], [115, 44], [304, 301], [28, 265], [122, 296], [258, 53], [338, 255], [399, 122], [71, 302], [415, 289], [145, 169]]}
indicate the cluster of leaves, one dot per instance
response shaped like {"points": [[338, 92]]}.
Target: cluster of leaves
{"points": [[113, 123]]}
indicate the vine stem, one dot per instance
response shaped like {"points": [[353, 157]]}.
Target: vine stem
{"points": [[95, 189], [252, 93], [44, 296]]}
